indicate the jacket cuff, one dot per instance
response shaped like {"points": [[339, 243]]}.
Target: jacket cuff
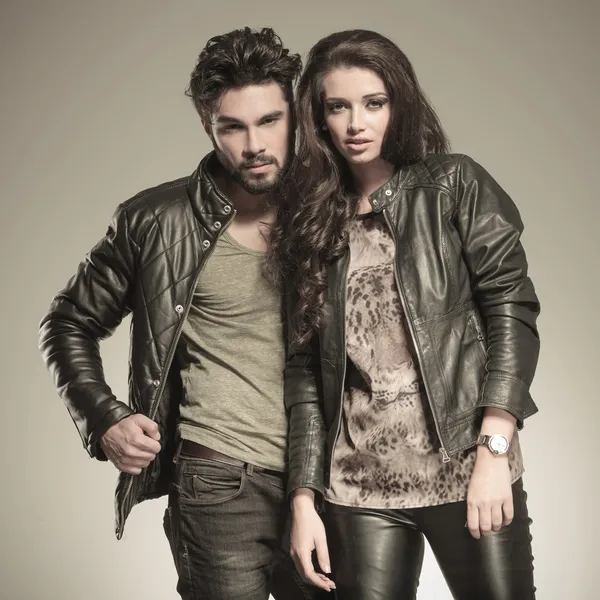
{"points": [[510, 394], [112, 417], [307, 440]]}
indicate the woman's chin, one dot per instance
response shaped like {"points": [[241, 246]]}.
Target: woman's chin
{"points": [[360, 159]]}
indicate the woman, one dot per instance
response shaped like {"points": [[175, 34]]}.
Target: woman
{"points": [[413, 340]]}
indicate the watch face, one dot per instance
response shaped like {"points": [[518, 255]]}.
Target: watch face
{"points": [[498, 444]]}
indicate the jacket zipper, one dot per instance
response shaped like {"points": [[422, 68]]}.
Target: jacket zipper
{"points": [[343, 311], [480, 337], [442, 450], [183, 317], [173, 347]]}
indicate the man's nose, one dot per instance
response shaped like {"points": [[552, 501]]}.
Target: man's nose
{"points": [[254, 143]]}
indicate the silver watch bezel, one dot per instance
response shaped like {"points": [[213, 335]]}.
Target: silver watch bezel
{"points": [[488, 440]]}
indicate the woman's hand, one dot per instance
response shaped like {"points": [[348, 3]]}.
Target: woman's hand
{"points": [[489, 497], [308, 534]]}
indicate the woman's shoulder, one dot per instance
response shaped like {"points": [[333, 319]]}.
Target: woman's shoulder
{"points": [[442, 170]]}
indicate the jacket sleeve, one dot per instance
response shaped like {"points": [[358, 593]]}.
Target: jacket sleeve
{"points": [[307, 435], [490, 227], [87, 310]]}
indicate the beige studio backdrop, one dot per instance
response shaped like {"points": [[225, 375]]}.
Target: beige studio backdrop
{"points": [[92, 110]]}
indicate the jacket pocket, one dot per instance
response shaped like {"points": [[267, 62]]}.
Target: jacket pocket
{"points": [[455, 365], [478, 329]]}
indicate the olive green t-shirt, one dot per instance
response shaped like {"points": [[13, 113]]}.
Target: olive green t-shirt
{"points": [[231, 354]]}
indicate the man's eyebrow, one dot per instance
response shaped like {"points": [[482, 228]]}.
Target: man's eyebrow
{"points": [[226, 119], [276, 114], [222, 119]]}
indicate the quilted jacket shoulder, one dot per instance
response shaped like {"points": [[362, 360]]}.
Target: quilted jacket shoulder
{"points": [[437, 170], [144, 208]]}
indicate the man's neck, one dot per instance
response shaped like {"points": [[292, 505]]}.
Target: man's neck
{"points": [[249, 207], [255, 215]]}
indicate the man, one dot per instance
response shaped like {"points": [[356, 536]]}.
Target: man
{"points": [[206, 421]]}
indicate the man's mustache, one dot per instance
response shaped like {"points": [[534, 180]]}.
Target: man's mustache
{"points": [[258, 161]]}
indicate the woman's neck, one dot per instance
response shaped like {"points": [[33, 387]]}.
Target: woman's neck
{"points": [[368, 178]]}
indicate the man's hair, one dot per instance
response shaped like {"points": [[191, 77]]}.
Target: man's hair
{"points": [[239, 58]]}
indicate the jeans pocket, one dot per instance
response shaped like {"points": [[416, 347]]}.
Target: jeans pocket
{"points": [[206, 482]]}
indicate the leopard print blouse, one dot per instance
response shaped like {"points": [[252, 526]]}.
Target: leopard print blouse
{"points": [[387, 454]]}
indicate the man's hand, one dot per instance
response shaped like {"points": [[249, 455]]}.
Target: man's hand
{"points": [[489, 497], [308, 534], [132, 444]]}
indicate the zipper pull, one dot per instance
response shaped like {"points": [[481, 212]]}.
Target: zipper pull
{"points": [[445, 457], [479, 333]]}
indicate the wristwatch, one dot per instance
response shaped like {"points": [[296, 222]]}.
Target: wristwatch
{"points": [[496, 443]]}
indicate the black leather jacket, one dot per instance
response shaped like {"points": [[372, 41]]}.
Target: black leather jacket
{"points": [[471, 309], [147, 265]]}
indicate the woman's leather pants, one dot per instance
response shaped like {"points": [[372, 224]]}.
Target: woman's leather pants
{"points": [[377, 554]]}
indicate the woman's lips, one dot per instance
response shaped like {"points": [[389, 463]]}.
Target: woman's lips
{"points": [[358, 144]]}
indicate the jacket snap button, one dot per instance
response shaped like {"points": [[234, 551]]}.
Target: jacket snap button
{"points": [[227, 209], [217, 224], [179, 308], [156, 382], [206, 243], [388, 192]]}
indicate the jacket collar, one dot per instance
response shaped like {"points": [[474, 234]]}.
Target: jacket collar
{"points": [[389, 192], [208, 202]]}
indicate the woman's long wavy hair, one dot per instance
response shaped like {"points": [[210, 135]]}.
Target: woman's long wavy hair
{"points": [[320, 199]]}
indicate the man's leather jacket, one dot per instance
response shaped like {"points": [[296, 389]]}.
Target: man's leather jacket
{"points": [[147, 265], [471, 309]]}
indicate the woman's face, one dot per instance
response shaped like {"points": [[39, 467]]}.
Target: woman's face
{"points": [[357, 113]]}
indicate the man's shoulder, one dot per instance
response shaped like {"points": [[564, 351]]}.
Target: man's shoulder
{"points": [[153, 204], [156, 198]]}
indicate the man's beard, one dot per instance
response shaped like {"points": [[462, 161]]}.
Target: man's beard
{"points": [[257, 184]]}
